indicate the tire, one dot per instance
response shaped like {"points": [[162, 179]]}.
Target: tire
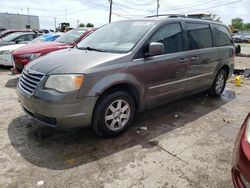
{"points": [[108, 119], [218, 84]]}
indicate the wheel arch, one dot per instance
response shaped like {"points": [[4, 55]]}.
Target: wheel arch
{"points": [[226, 68], [130, 88]]}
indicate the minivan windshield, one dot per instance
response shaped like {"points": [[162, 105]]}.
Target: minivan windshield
{"points": [[71, 36], [117, 37]]}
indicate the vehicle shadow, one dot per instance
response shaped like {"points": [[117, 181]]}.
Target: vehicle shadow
{"points": [[47, 148], [11, 83], [5, 68]]}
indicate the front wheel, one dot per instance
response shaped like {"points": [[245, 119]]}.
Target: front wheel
{"points": [[113, 114], [219, 84]]}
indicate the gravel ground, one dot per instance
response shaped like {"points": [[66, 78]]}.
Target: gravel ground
{"points": [[187, 143]]}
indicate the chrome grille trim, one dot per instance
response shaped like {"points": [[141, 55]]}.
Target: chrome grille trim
{"points": [[29, 80]]}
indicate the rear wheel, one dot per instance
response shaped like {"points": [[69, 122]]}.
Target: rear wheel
{"points": [[219, 83], [113, 114]]}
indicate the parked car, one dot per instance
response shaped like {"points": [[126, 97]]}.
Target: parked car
{"points": [[29, 52], [241, 157], [246, 39], [17, 38], [238, 39], [6, 51], [5, 54], [46, 38], [126, 67], [2, 29], [9, 31]]}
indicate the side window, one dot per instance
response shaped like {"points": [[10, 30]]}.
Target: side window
{"points": [[199, 36], [171, 36], [221, 35], [26, 38]]}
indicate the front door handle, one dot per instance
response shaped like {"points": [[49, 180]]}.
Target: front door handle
{"points": [[183, 60], [194, 58]]}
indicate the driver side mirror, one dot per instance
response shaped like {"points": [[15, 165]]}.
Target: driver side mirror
{"points": [[156, 48]]}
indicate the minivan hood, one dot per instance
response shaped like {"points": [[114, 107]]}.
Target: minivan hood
{"points": [[71, 61], [41, 47]]}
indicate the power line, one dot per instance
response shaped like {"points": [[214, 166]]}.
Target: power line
{"points": [[83, 10], [232, 2], [128, 13], [194, 5], [165, 4]]}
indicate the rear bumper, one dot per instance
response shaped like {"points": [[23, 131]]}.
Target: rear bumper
{"points": [[58, 114]]}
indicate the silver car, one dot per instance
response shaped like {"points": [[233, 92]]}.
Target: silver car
{"points": [[126, 67]]}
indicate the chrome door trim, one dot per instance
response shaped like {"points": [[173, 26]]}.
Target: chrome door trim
{"points": [[178, 81]]}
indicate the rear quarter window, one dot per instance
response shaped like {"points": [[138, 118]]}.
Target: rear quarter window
{"points": [[221, 36], [199, 36]]}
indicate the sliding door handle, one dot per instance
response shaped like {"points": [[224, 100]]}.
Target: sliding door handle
{"points": [[183, 60], [194, 58]]}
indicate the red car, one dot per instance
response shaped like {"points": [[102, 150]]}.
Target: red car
{"points": [[27, 53], [9, 31], [241, 157]]}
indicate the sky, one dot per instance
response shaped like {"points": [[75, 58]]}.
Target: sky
{"points": [[97, 11]]}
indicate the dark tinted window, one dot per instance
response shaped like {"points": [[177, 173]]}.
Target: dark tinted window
{"points": [[199, 36], [221, 35], [27, 37], [171, 36]]}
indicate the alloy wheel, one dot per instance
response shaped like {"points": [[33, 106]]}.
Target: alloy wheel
{"points": [[117, 114]]}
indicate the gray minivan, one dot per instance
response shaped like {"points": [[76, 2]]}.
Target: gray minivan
{"points": [[125, 67]]}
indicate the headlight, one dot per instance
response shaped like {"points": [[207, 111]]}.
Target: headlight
{"points": [[65, 83], [31, 56], [248, 130], [5, 52]]}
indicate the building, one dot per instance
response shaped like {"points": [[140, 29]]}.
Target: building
{"points": [[19, 21]]}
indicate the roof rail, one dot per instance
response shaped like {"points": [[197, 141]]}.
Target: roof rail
{"points": [[167, 15], [200, 16]]}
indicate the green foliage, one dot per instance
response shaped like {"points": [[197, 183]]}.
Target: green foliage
{"points": [[237, 23], [81, 25], [90, 25], [247, 26]]}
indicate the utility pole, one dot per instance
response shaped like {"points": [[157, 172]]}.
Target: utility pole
{"points": [[65, 13], [77, 23], [110, 10], [158, 6], [55, 23]]}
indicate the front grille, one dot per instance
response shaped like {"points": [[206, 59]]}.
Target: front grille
{"points": [[29, 80]]}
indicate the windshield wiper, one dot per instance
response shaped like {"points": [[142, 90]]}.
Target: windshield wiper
{"points": [[90, 49]]}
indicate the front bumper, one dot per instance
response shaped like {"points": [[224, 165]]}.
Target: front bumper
{"points": [[58, 114], [6, 59], [241, 161]]}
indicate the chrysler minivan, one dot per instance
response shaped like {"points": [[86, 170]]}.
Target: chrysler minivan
{"points": [[126, 67]]}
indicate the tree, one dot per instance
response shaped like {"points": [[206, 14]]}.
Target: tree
{"points": [[90, 25], [81, 25], [237, 23], [247, 26], [214, 17]]}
